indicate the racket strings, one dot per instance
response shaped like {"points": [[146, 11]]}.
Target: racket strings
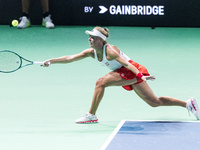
{"points": [[9, 61]]}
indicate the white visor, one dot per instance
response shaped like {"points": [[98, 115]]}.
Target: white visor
{"points": [[96, 33]]}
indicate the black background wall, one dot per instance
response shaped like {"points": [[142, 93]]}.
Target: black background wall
{"points": [[173, 13]]}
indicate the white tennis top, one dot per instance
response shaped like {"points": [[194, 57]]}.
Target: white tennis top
{"points": [[113, 64]]}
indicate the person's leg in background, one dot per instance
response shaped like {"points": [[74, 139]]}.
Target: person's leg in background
{"points": [[25, 20], [46, 21]]}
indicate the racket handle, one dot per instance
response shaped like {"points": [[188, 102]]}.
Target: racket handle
{"points": [[39, 63]]}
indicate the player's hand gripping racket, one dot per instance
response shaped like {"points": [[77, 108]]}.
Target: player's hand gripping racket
{"points": [[11, 61]]}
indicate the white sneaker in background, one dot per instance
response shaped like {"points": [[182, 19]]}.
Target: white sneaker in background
{"points": [[47, 22], [88, 118], [193, 107], [24, 23]]}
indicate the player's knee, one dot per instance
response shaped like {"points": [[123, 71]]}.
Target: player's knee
{"points": [[100, 82], [155, 102]]}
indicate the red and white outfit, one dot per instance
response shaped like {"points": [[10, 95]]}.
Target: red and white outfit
{"points": [[123, 72]]}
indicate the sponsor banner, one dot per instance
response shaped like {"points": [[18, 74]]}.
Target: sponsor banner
{"points": [[139, 12], [128, 10]]}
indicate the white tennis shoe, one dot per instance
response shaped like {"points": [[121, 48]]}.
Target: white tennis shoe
{"points": [[88, 118], [24, 23], [47, 22], [193, 107]]}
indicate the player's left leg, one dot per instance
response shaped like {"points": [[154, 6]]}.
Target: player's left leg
{"points": [[111, 79]]}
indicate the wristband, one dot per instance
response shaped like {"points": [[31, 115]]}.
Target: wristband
{"points": [[139, 75]]}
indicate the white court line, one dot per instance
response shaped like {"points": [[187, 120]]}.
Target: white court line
{"points": [[197, 121], [113, 135], [122, 123]]}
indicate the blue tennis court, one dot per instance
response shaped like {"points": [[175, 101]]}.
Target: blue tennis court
{"points": [[154, 135]]}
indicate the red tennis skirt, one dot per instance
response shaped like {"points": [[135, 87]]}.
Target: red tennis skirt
{"points": [[128, 74]]}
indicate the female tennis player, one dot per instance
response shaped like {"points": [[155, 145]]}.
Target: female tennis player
{"points": [[125, 72]]}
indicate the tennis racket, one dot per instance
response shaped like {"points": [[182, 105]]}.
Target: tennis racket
{"points": [[11, 61]]}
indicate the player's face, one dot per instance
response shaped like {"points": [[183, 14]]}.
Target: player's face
{"points": [[95, 41]]}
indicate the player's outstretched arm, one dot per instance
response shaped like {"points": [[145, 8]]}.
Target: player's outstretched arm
{"points": [[70, 58]]}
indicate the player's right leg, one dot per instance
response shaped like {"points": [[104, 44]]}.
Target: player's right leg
{"points": [[193, 107], [145, 92]]}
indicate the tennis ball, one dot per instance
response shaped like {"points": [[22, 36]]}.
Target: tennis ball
{"points": [[14, 23]]}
